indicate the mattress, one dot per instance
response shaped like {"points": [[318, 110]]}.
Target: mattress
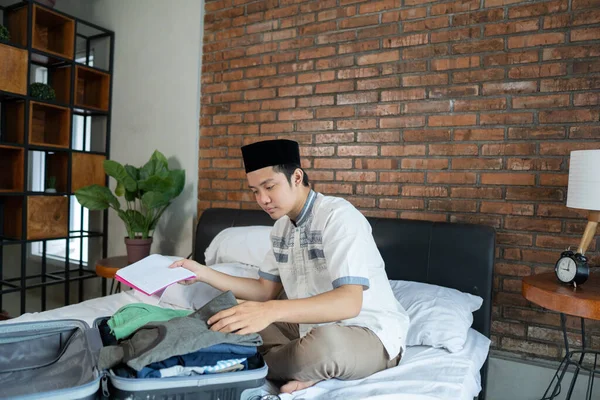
{"points": [[424, 373]]}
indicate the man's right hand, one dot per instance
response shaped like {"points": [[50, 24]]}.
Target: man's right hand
{"points": [[191, 265]]}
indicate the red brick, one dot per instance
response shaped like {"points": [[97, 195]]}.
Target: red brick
{"points": [[295, 91], [426, 164], [454, 7], [318, 151], [403, 151], [379, 136], [380, 190], [296, 44], [534, 164], [378, 110], [402, 122], [509, 28], [586, 17], [245, 129], [406, 41], [427, 135], [503, 207], [478, 76], [378, 163], [402, 204], [406, 14], [478, 17], [536, 71], [507, 58], [376, 6], [460, 178], [428, 24], [424, 191], [584, 132], [476, 193], [540, 39], [585, 67], [403, 95], [454, 91], [489, 220], [336, 37], [312, 29], [318, 52], [569, 84], [402, 177], [357, 98], [546, 101], [539, 8], [335, 137], [506, 119], [245, 84], [452, 120], [443, 64], [277, 127], [507, 179], [554, 179], [335, 112], [345, 151], [452, 205], [427, 106], [581, 4], [380, 31], [359, 47], [585, 34], [455, 35], [478, 46], [260, 117], [316, 77], [227, 119], [278, 104], [336, 13], [356, 22], [488, 134], [227, 97], [356, 176], [380, 57], [562, 53], [453, 150], [422, 216], [360, 124], [586, 99], [558, 116], [532, 224], [337, 163], [509, 88], [557, 21], [503, 149], [427, 51], [480, 104], [333, 188], [425, 80], [365, 72], [259, 94], [314, 126], [476, 163], [336, 62], [261, 71], [379, 83], [314, 101], [404, 67]]}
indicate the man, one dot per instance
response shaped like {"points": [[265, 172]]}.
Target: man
{"points": [[341, 319]]}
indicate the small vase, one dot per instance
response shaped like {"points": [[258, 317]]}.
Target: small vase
{"points": [[50, 190], [137, 249]]}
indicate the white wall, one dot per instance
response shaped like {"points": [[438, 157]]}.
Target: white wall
{"points": [[156, 99]]}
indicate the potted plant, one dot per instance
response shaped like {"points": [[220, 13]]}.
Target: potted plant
{"points": [[4, 34], [51, 184], [42, 91], [147, 192]]}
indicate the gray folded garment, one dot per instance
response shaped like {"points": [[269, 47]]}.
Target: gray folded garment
{"points": [[157, 341]]}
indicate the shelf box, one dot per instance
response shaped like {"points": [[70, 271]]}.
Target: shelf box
{"points": [[57, 165], [87, 169], [13, 69], [53, 32], [60, 81], [16, 22], [47, 217], [91, 88], [49, 125], [11, 165], [14, 116]]}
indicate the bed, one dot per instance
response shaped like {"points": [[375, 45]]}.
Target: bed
{"points": [[457, 256]]}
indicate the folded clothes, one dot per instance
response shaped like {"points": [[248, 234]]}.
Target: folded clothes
{"points": [[131, 317], [209, 356], [222, 366]]}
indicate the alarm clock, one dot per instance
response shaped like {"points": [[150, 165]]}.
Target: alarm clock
{"points": [[572, 268]]}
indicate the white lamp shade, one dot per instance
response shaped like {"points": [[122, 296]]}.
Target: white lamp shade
{"points": [[584, 180]]}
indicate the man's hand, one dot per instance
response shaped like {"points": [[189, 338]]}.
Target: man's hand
{"points": [[191, 265], [247, 317]]}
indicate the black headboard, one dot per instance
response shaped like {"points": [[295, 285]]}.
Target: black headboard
{"points": [[459, 256]]}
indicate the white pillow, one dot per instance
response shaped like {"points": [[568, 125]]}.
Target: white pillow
{"points": [[192, 297], [439, 317], [243, 244]]}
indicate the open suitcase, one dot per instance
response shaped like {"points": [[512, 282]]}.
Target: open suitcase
{"points": [[60, 359]]}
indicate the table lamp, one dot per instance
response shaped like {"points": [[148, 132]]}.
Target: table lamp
{"points": [[583, 193]]}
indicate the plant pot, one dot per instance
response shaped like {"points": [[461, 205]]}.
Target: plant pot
{"points": [[137, 249], [50, 190]]}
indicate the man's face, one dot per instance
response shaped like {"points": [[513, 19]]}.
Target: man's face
{"points": [[273, 191]]}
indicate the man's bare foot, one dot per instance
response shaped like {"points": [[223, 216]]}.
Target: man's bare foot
{"points": [[293, 386]]}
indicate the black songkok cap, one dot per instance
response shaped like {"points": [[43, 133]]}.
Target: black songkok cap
{"points": [[269, 153]]}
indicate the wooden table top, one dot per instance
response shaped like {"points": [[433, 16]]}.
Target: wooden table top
{"points": [[108, 267], [545, 290]]}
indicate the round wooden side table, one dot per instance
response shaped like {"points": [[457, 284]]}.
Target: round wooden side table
{"points": [[582, 301], [107, 268]]}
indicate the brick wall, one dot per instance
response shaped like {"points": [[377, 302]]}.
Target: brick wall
{"points": [[460, 111]]}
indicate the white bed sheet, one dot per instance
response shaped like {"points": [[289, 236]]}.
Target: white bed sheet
{"points": [[425, 373]]}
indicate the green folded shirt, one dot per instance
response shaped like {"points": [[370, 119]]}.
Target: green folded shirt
{"points": [[131, 317]]}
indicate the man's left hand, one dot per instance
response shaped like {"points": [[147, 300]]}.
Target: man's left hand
{"points": [[247, 317]]}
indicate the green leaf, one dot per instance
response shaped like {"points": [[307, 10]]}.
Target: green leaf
{"points": [[155, 166], [158, 156], [130, 196], [120, 189], [177, 177], [133, 172], [96, 197], [117, 171], [156, 184], [153, 200]]}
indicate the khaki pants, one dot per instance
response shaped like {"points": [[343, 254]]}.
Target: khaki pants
{"points": [[329, 351]]}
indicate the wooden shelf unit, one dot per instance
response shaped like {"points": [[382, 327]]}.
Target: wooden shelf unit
{"points": [[47, 217], [12, 160], [49, 125], [91, 88]]}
